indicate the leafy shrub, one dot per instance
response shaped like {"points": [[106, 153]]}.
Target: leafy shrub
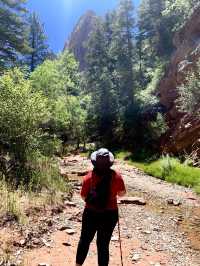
{"points": [[189, 92], [22, 111]]}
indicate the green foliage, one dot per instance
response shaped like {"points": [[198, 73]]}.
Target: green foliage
{"points": [[26, 147], [22, 111], [58, 80], [13, 31], [157, 127], [189, 92], [110, 78], [57, 77], [147, 97], [102, 113], [154, 39], [122, 51], [154, 29], [37, 42], [179, 11]]}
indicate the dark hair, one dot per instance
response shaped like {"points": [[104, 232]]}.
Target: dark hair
{"points": [[99, 196]]}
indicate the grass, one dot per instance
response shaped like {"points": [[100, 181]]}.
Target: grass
{"points": [[166, 168], [45, 189], [16, 202], [11, 202]]}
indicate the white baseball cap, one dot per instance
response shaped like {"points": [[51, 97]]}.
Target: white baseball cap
{"points": [[102, 152]]}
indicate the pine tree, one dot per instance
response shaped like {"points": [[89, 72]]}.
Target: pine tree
{"points": [[102, 120], [12, 31], [37, 42], [154, 40], [123, 50], [155, 28]]}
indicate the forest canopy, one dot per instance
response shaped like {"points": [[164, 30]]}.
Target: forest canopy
{"points": [[47, 103]]}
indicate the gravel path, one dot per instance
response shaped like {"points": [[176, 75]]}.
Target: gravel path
{"points": [[165, 231]]}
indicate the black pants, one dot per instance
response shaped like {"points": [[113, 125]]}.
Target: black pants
{"points": [[103, 223]]}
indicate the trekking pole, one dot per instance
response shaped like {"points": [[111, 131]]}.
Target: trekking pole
{"points": [[120, 243]]}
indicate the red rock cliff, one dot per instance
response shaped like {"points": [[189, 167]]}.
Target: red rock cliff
{"points": [[184, 129]]}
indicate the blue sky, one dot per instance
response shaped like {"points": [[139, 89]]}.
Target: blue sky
{"points": [[60, 16]]}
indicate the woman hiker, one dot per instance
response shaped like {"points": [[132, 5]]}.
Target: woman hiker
{"points": [[100, 189]]}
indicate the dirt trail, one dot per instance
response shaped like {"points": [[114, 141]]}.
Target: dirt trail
{"points": [[158, 233]]}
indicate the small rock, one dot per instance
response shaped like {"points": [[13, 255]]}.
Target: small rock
{"points": [[175, 202], [170, 201], [36, 241], [49, 222], [158, 249], [157, 229], [144, 247], [70, 231], [46, 243], [57, 210], [22, 242], [69, 203], [114, 238], [17, 253], [136, 257], [64, 227], [66, 244], [146, 232], [132, 200]]}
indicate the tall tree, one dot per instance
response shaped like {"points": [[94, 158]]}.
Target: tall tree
{"points": [[102, 119], [154, 40], [13, 40], [37, 42], [122, 50], [155, 28]]}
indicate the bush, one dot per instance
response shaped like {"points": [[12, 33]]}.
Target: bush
{"points": [[22, 111], [147, 96], [189, 93]]}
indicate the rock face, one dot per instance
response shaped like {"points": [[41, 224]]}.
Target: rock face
{"points": [[76, 42], [184, 129]]}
